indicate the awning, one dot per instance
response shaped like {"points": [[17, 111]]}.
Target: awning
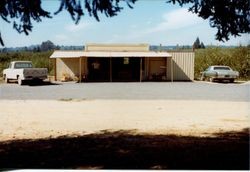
{"points": [[67, 54], [78, 54]]}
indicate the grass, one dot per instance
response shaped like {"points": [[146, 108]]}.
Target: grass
{"points": [[129, 150]]}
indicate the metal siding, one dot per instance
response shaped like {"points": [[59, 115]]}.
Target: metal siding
{"points": [[168, 69], [183, 66]]}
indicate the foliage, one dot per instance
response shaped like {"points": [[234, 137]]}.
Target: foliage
{"points": [[237, 58], [229, 17], [47, 45], [39, 59], [25, 11]]}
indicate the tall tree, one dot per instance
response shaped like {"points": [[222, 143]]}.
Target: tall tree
{"points": [[202, 45], [230, 17], [196, 44]]}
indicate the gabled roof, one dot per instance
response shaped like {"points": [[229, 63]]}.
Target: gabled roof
{"points": [[78, 54]]}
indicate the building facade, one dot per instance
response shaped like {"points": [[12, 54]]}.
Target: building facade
{"points": [[122, 62]]}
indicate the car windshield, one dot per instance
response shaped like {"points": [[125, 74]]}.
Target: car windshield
{"points": [[23, 65], [221, 68]]}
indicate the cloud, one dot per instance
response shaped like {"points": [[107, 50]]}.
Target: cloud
{"points": [[78, 27], [176, 19], [170, 22]]}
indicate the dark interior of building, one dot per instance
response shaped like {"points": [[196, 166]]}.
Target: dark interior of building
{"points": [[99, 69], [126, 69], [122, 69]]}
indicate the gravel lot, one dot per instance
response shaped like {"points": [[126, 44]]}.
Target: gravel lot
{"points": [[127, 91], [182, 108]]}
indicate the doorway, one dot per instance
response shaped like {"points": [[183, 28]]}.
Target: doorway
{"points": [[99, 69], [125, 69]]}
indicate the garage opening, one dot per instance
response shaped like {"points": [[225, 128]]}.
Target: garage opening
{"points": [[126, 69], [99, 69]]}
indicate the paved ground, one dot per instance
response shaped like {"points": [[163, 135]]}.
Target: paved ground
{"points": [[127, 91]]}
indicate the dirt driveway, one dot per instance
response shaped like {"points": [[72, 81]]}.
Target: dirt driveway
{"points": [[51, 118], [159, 108]]}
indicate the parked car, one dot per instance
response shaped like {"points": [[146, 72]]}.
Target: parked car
{"points": [[23, 71], [219, 73]]}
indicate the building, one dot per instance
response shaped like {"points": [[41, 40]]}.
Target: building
{"points": [[122, 62]]}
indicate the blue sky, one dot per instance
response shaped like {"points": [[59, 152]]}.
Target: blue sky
{"points": [[150, 21]]}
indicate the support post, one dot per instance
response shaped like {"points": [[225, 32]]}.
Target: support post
{"points": [[80, 69], [140, 69], [110, 69], [172, 70], [55, 70]]}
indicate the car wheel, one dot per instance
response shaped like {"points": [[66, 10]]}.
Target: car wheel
{"points": [[19, 81], [202, 78], [211, 79], [6, 80], [231, 80]]}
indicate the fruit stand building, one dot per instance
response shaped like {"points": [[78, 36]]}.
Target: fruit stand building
{"points": [[122, 62]]}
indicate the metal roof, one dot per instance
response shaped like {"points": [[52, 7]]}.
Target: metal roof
{"points": [[67, 54], [78, 54]]}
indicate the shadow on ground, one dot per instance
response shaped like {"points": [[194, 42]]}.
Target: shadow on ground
{"points": [[40, 83], [128, 150]]}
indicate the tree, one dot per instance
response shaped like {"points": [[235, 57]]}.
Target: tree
{"points": [[230, 17], [202, 45], [48, 45], [197, 44]]}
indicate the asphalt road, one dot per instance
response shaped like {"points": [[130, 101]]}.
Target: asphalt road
{"points": [[144, 90]]}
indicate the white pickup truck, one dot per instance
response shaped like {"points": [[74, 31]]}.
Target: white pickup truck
{"points": [[23, 71]]}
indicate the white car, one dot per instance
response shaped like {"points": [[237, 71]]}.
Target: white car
{"points": [[219, 73], [23, 70]]}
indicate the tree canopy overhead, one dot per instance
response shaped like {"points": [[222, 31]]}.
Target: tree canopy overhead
{"points": [[230, 17]]}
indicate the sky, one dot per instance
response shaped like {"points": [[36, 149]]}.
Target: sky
{"points": [[153, 22]]}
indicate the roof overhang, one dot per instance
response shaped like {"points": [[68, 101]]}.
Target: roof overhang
{"points": [[105, 54]]}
